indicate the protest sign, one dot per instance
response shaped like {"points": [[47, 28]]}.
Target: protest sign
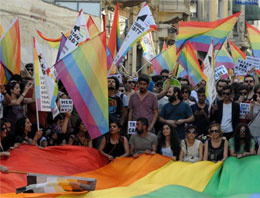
{"points": [[131, 127], [255, 62], [220, 71], [242, 67], [244, 110], [66, 105]]}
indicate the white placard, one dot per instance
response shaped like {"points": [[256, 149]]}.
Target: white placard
{"points": [[66, 105], [242, 67], [131, 127], [244, 110], [254, 61], [219, 71], [118, 76]]}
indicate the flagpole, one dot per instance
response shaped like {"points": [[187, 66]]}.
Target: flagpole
{"points": [[35, 96], [143, 66]]}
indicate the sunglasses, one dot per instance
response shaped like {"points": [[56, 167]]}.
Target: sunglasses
{"points": [[164, 76], [191, 132], [185, 92], [4, 129], [249, 81], [29, 69], [226, 93], [121, 90], [214, 131], [131, 82], [243, 93]]}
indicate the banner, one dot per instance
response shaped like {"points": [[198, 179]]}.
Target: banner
{"points": [[78, 34], [210, 73], [143, 24], [148, 47], [47, 77], [41, 183]]}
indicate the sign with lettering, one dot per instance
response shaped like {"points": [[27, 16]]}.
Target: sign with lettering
{"points": [[131, 127], [220, 71], [66, 105], [255, 62], [244, 110], [242, 67]]}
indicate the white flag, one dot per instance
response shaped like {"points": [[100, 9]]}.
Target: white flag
{"points": [[148, 47], [143, 24], [78, 34], [48, 76], [209, 71]]}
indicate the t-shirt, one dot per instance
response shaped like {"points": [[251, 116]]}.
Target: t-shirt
{"points": [[167, 151], [200, 121], [162, 102], [226, 122], [191, 154], [177, 112], [124, 99], [115, 107], [1, 105], [141, 143], [231, 145], [144, 108]]}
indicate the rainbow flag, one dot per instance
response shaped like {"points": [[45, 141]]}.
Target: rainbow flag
{"points": [[164, 46], [114, 40], [10, 48], [166, 60], [3, 79], [254, 39], [146, 176], [109, 59], [223, 58], [190, 63], [55, 43], [92, 28], [84, 75], [200, 34], [236, 52]]}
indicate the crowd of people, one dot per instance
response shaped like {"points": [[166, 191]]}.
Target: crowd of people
{"points": [[175, 121]]}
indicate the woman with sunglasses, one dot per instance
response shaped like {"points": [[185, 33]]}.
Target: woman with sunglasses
{"points": [[114, 145], [14, 110], [242, 97], [242, 144], [191, 148], [216, 148], [3, 133], [169, 143]]}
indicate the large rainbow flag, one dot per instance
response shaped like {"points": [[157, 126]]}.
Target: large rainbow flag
{"points": [[84, 75], [236, 52], [200, 34], [254, 39], [223, 58], [10, 48], [145, 176], [92, 28], [190, 63], [165, 60]]}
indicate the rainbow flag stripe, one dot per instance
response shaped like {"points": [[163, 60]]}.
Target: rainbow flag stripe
{"points": [[55, 43], [200, 34], [165, 60], [146, 176], [254, 39], [84, 75], [190, 63], [114, 40], [236, 52], [223, 58], [92, 28], [10, 48], [2, 31]]}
